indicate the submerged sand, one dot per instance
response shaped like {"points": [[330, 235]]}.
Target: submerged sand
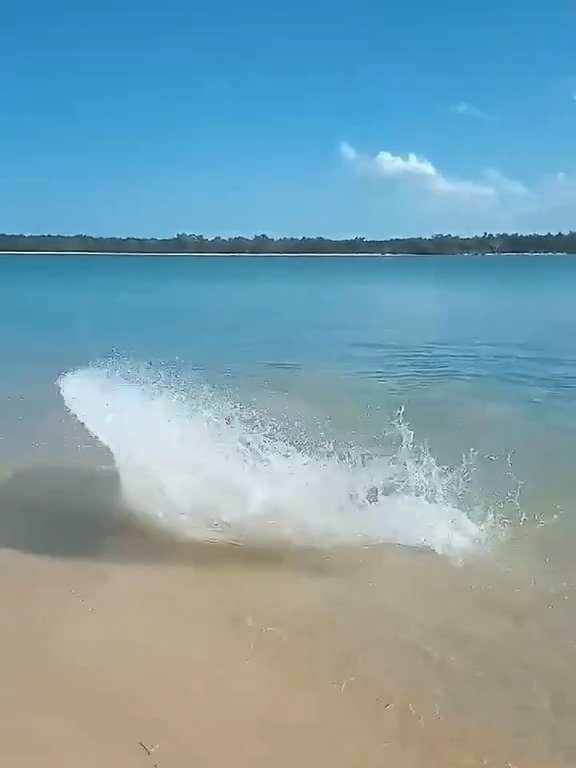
{"points": [[216, 659]]}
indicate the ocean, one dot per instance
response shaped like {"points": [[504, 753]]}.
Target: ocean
{"points": [[396, 434]]}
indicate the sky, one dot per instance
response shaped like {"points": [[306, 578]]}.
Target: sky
{"points": [[313, 117]]}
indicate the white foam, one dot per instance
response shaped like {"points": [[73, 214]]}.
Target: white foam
{"points": [[204, 469]]}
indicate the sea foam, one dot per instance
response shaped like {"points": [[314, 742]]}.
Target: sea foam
{"points": [[206, 468]]}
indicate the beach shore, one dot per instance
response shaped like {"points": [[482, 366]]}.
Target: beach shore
{"points": [[171, 665]]}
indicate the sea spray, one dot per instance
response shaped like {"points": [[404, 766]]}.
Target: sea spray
{"points": [[207, 468]]}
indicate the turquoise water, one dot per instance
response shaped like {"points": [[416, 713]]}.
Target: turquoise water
{"points": [[480, 352], [343, 405]]}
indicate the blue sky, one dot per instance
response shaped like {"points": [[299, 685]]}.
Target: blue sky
{"points": [[317, 117]]}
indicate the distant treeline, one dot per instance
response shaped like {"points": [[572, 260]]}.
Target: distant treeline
{"points": [[262, 244]]}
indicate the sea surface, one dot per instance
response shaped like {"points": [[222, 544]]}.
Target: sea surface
{"points": [[406, 423]]}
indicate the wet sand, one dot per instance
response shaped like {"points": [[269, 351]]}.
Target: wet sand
{"points": [[116, 639], [219, 663]]}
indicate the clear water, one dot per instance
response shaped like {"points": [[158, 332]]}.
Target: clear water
{"points": [[480, 352], [426, 402]]}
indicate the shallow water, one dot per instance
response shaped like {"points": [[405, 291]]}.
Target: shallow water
{"points": [[320, 413]]}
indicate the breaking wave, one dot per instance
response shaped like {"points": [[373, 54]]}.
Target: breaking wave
{"points": [[204, 467]]}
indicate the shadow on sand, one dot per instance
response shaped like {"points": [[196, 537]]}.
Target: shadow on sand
{"points": [[66, 512]]}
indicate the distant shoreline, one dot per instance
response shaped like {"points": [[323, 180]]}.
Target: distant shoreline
{"points": [[294, 254], [196, 245]]}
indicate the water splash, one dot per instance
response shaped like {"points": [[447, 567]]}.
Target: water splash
{"points": [[204, 467]]}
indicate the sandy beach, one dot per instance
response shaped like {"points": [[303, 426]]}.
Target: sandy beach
{"points": [[172, 665]]}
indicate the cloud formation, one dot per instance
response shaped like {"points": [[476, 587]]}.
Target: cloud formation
{"points": [[492, 199], [418, 170], [469, 110]]}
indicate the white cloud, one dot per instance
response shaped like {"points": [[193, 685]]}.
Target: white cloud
{"points": [[416, 169], [348, 152], [491, 200], [469, 110], [504, 184], [394, 165]]}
